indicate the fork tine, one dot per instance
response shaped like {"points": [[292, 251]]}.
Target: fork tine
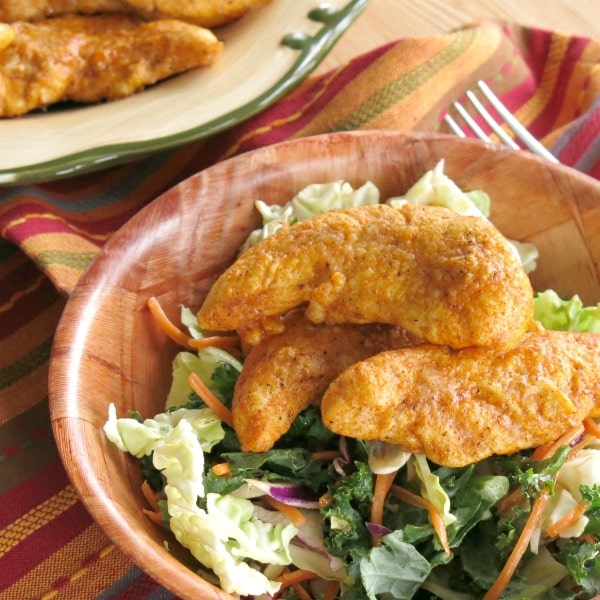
{"points": [[454, 126], [491, 122], [482, 135], [530, 141]]}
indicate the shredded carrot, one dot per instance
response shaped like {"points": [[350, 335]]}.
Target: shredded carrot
{"points": [[510, 500], [383, 483], [222, 469], [325, 455], [150, 496], [591, 427], [331, 590], [434, 516], [512, 563], [588, 538], [291, 578], [210, 399], [573, 515], [541, 452], [291, 512], [153, 516], [547, 450], [165, 323], [301, 593], [215, 341]]}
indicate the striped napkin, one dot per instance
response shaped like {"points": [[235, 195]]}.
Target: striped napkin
{"points": [[49, 545]]}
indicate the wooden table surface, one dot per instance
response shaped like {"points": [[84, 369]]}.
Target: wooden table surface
{"points": [[387, 20]]}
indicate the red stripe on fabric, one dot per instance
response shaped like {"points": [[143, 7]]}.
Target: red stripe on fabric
{"points": [[544, 122], [334, 87], [34, 225], [43, 543], [29, 494], [25, 306], [519, 94], [582, 139], [287, 108], [340, 80], [595, 170], [18, 280], [37, 225], [538, 48], [142, 587], [86, 227]]}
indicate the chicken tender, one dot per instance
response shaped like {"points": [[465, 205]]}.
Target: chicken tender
{"points": [[88, 59], [461, 406], [7, 35], [206, 13], [446, 278], [30, 10], [286, 373]]}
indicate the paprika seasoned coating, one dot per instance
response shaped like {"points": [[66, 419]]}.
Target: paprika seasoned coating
{"points": [[88, 59], [30, 10], [445, 278], [286, 373], [206, 13], [460, 406]]}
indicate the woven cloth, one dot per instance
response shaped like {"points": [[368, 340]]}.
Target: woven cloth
{"points": [[49, 545]]}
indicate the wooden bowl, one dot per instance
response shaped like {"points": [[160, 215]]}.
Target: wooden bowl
{"points": [[107, 348]]}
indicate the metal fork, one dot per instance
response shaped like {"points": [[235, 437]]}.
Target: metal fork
{"points": [[520, 132]]}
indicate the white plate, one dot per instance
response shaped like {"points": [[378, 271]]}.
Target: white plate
{"points": [[267, 53]]}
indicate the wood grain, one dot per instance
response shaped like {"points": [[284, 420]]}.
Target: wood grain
{"points": [[107, 348]]}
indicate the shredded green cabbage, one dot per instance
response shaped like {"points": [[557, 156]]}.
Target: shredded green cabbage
{"points": [[310, 201], [431, 489], [554, 312], [226, 534], [141, 438]]}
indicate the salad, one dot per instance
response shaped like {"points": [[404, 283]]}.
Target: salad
{"points": [[324, 516]]}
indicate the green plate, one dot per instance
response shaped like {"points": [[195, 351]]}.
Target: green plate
{"points": [[266, 54]]}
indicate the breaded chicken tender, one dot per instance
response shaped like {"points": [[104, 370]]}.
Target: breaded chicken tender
{"points": [[7, 35], [445, 278], [88, 59], [206, 13], [30, 10], [461, 406], [286, 373]]}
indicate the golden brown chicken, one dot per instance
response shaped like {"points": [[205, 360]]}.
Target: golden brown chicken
{"points": [[29, 10], [461, 406], [286, 373], [7, 35], [207, 13], [88, 59], [446, 278]]}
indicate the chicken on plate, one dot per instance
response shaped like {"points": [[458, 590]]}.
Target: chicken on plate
{"points": [[89, 59]]}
